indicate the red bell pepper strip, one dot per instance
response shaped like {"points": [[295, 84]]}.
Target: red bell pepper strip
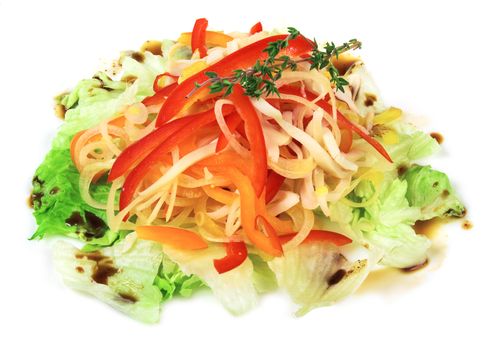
{"points": [[273, 185], [254, 133], [160, 96], [342, 121], [137, 151], [233, 121], [236, 254], [258, 27], [320, 236], [198, 37], [153, 159], [156, 84], [179, 99]]}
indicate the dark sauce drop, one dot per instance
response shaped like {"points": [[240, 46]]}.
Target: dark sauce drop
{"points": [[153, 46], [337, 277], [79, 269], [139, 57], [415, 267], [104, 267], [467, 225], [30, 202], [54, 190], [129, 298], [37, 180], [438, 137], [75, 219], [369, 100], [96, 226], [344, 62], [402, 169], [129, 79]]}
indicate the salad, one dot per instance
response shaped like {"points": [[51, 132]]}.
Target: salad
{"points": [[238, 162]]}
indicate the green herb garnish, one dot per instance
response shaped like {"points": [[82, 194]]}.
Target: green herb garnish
{"points": [[261, 78]]}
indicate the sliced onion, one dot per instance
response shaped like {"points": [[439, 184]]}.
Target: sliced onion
{"points": [[283, 201]]}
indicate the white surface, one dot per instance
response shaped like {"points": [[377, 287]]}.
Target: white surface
{"points": [[426, 58]]}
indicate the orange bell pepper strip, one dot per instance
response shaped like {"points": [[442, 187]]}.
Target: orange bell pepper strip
{"points": [[198, 37], [152, 160], [220, 195], [254, 133], [179, 100], [320, 236], [258, 27], [172, 236], [228, 159], [346, 140], [211, 38], [236, 254], [249, 216]]}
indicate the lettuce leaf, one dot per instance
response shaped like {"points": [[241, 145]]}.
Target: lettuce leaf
{"points": [[121, 275], [234, 289], [317, 274], [172, 281], [58, 207], [431, 191], [263, 277], [413, 145], [386, 225], [401, 246]]}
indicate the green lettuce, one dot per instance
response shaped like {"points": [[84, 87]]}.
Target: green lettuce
{"points": [[431, 191], [386, 224], [58, 207], [172, 281]]}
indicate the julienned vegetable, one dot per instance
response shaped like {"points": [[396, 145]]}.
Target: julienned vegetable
{"points": [[241, 162]]}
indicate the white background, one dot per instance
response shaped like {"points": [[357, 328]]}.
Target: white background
{"points": [[428, 58]]}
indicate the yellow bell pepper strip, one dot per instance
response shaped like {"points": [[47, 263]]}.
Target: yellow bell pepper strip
{"points": [[180, 100], [172, 236], [254, 133], [158, 83], [212, 39], [198, 37]]}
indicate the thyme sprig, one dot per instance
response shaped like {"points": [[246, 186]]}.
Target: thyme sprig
{"points": [[262, 76]]}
